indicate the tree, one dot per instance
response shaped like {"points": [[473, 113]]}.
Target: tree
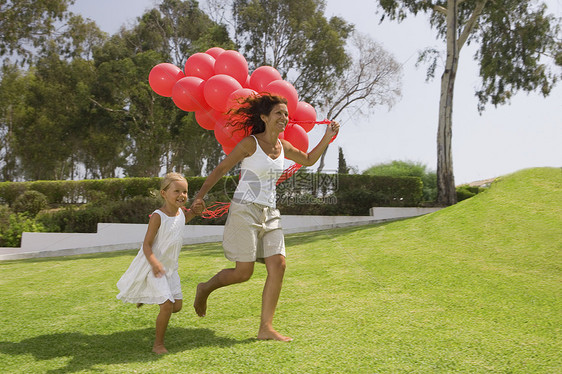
{"points": [[372, 79], [12, 99], [342, 164], [25, 25], [514, 36], [297, 39], [330, 65], [158, 133], [49, 130]]}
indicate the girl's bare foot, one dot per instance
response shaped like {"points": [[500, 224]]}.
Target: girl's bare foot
{"points": [[270, 334], [200, 303], [159, 349]]}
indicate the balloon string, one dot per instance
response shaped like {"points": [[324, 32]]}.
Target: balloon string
{"points": [[323, 122], [216, 210], [288, 173]]}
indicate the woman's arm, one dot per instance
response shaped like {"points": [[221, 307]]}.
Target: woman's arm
{"points": [[151, 231], [310, 158], [244, 148]]}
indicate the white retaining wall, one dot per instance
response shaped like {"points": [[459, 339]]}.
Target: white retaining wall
{"points": [[123, 236]]}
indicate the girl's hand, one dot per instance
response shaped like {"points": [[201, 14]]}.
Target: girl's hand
{"points": [[198, 207], [332, 128], [158, 269]]}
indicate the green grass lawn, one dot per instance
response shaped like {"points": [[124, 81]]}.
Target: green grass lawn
{"points": [[473, 288]]}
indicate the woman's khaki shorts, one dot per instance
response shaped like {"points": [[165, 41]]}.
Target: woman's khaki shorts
{"points": [[252, 232]]}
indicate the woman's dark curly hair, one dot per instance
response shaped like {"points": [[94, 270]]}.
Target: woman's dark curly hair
{"points": [[246, 115]]}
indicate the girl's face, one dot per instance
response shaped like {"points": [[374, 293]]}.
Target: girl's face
{"points": [[176, 194], [277, 119]]}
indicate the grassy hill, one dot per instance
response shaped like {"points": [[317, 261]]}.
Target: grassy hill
{"points": [[474, 288]]}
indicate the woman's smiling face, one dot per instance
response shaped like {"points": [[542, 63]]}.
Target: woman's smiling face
{"points": [[277, 118]]}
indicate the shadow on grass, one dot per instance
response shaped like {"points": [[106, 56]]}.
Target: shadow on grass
{"points": [[86, 351]]}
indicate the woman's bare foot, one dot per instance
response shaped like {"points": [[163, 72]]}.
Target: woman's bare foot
{"points": [[159, 349], [270, 334], [200, 303]]}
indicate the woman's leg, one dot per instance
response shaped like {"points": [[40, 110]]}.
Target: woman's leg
{"points": [[162, 320], [241, 273], [275, 266]]}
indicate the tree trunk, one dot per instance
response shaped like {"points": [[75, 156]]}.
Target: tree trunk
{"points": [[446, 192], [322, 160]]}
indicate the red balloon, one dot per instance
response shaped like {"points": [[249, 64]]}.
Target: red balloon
{"points": [[215, 51], [263, 76], [286, 90], [247, 83], [228, 136], [200, 65], [227, 150], [163, 77], [188, 94], [296, 135], [235, 97], [234, 64], [222, 134], [207, 118], [305, 112], [217, 90]]}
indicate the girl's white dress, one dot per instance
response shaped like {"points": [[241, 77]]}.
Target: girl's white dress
{"points": [[138, 284]]}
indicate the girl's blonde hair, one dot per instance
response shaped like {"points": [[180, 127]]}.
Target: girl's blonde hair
{"points": [[169, 178]]}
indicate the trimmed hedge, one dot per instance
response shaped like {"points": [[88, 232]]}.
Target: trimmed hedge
{"points": [[77, 206]]}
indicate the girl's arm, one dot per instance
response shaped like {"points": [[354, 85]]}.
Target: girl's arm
{"points": [[151, 231], [189, 214], [310, 158], [244, 148]]}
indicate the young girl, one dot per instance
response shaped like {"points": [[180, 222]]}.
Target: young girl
{"points": [[152, 277], [252, 231]]}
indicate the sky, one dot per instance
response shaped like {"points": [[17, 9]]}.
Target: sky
{"points": [[525, 133]]}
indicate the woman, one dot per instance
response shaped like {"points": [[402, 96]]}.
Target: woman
{"points": [[252, 231]]}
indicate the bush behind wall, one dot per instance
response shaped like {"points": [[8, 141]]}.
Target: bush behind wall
{"points": [[77, 206]]}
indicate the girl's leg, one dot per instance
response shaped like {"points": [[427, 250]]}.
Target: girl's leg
{"points": [[162, 320], [241, 273], [177, 305], [275, 266]]}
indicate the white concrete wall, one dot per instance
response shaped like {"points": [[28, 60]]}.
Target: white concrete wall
{"points": [[123, 236]]}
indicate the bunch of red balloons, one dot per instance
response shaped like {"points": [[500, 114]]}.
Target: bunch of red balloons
{"points": [[213, 82]]}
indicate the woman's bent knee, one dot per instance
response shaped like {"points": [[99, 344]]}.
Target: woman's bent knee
{"points": [[243, 271], [243, 276]]}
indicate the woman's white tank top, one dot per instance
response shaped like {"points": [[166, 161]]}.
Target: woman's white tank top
{"points": [[258, 178]]}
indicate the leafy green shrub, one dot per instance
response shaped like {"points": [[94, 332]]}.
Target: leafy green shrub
{"points": [[465, 192], [30, 202], [9, 191], [4, 215], [86, 218], [408, 169], [17, 223]]}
